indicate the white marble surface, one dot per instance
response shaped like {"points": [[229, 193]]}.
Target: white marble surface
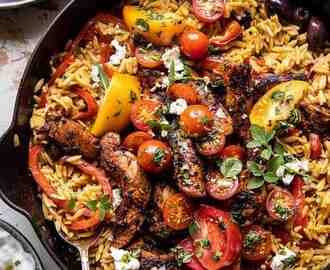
{"points": [[20, 31]]}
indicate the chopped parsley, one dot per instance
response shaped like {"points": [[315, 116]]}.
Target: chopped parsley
{"points": [[103, 77], [217, 255], [204, 243], [133, 97], [205, 120], [278, 96], [193, 228], [103, 205], [142, 25], [283, 212], [71, 204], [182, 256], [251, 239], [159, 156]]}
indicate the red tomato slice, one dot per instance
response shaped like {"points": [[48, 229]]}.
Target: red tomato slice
{"points": [[185, 91], [300, 219], [224, 236], [233, 151], [188, 247], [280, 204], [315, 142], [177, 212], [208, 11], [134, 140], [257, 243], [144, 111], [148, 58], [220, 188], [232, 31], [211, 145]]}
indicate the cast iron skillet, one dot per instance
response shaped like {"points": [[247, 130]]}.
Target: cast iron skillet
{"points": [[17, 187]]}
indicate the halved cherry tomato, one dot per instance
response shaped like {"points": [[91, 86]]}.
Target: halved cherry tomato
{"points": [[40, 178], [178, 212], [214, 64], [60, 70], [194, 44], [92, 106], [212, 144], [148, 58], [233, 30], [233, 151], [144, 111], [188, 247], [208, 11], [134, 140], [257, 243], [185, 91], [154, 156], [223, 236], [300, 219], [280, 204], [196, 120], [315, 142], [219, 187]]}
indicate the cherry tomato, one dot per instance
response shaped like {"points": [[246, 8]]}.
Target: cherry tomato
{"points": [[177, 212], [144, 111], [208, 11], [233, 151], [219, 187], [185, 91], [148, 58], [300, 219], [232, 31], [134, 140], [196, 120], [257, 243], [212, 144], [224, 238], [154, 156], [315, 142], [280, 204], [194, 44], [188, 248]]}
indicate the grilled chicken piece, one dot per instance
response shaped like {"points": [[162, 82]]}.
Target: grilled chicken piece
{"points": [[124, 168], [188, 170], [74, 138]]}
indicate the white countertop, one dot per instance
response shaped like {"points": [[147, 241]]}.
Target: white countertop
{"points": [[20, 30]]}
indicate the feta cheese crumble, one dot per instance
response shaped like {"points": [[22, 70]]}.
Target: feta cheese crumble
{"points": [[173, 55], [95, 74], [290, 169], [119, 55], [124, 260], [177, 107], [283, 259], [117, 198]]}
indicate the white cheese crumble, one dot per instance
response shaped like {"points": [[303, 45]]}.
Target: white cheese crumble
{"points": [[95, 74], [298, 166], [117, 198], [172, 57], [124, 260], [282, 259], [119, 55], [220, 113], [288, 170], [162, 84], [177, 107]]}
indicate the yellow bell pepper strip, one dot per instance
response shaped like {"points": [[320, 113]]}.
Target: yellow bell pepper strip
{"points": [[114, 112], [158, 28], [277, 104]]}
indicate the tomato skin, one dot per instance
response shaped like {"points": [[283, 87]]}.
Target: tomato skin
{"points": [[232, 31], [285, 197], [148, 59], [262, 249], [211, 145], [185, 91], [147, 156], [143, 111], [300, 219], [217, 192], [187, 246], [194, 44], [196, 120], [315, 143], [233, 238], [198, 10], [235, 151], [177, 212], [134, 140], [214, 64]]}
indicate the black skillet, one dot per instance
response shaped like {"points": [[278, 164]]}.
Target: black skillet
{"points": [[17, 187]]}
